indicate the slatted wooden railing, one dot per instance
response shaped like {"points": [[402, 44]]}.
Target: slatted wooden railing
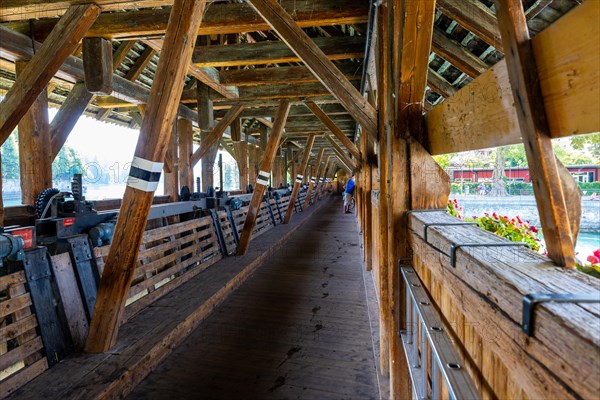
{"points": [[21, 348], [170, 255], [227, 229]]}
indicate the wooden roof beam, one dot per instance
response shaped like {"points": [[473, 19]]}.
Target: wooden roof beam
{"points": [[207, 75], [282, 75], [457, 55], [273, 52], [44, 64], [476, 17], [312, 56], [220, 18]]}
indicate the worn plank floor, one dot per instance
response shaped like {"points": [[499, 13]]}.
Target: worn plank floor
{"points": [[298, 329]]}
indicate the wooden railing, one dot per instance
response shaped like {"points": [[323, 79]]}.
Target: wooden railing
{"points": [[479, 281], [21, 348]]}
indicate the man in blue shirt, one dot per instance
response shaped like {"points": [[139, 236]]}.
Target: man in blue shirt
{"points": [[348, 192]]}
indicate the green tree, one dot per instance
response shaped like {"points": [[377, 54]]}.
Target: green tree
{"points": [[66, 163], [589, 144], [10, 157]]}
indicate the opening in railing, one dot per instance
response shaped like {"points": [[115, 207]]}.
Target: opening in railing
{"points": [[435, 368]]}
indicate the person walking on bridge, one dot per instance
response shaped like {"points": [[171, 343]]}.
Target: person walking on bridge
{"points": [[348, 193]]}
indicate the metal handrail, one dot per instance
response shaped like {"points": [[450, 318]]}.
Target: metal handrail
{"points": [[424, 336]]}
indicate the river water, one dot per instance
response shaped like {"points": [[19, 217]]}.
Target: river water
{"points": [[525, 207]]}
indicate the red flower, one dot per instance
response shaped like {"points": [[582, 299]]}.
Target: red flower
{"points": [[495, 215], [519, 219], [593, 259], [533, 229], [597, 253]]}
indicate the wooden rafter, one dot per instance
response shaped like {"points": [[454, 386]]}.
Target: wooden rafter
{"points": [[46, 62], [329, 123], [474, 16], [457, 55], [297, 40], [154, 136], [439, 84]]}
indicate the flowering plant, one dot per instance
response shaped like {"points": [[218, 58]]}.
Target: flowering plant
{"points": [[515, 229], [592, 267]]}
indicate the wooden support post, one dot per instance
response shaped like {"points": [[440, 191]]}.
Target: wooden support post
{"points": [[149, 155], [35, 154], [262, 179], [185, 142], [384, 98], [314, 58], [543, 166], [171, 179], [236, 130], [299, 179], [322, 182], [253, 152], [241, 156], [64, 121], [45, 63], [313, 177], [98, 65], [209, 143], [347, 143]]}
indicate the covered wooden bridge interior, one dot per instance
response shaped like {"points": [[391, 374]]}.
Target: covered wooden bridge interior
{"points": [[316, 91]]}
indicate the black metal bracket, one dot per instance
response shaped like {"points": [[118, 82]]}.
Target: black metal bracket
{"points": [[279, 210], [270, 208], [236, 235], [219, 231], [455, 246], [530, 300], [425, 226]]}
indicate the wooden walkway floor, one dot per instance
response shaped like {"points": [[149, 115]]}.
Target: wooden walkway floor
{"points": [[298, 329]]}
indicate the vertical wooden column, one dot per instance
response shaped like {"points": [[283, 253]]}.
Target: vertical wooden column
{"points": [[205, 121], [368, 188], [158, 121], [253, 152], [321, 178], [263, 176], [299, 178], [98, 65], [241, 153], [171, 179], [384, 97], [314, 176], [185, 138], [1, 199], [35, 150], [543, 166]]}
